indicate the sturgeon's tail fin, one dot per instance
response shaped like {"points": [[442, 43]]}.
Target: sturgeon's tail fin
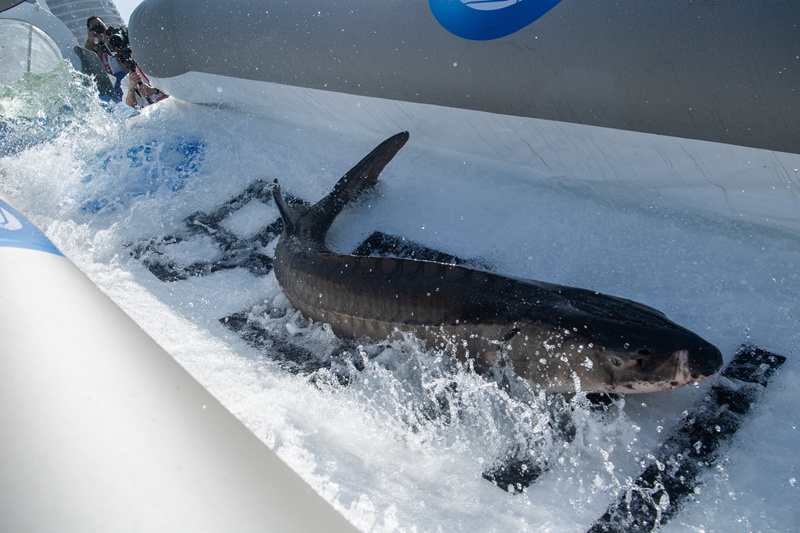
{"points": [[316, 222]]}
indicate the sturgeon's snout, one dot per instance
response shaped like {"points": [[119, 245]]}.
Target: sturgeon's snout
{"points": [[704, 362], [646, 371]]}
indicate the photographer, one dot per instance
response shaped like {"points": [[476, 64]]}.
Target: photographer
{"points": [[98, 43], [113, 47]]}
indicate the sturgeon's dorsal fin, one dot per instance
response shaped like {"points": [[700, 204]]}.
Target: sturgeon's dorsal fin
{"points": [[315, 223]]}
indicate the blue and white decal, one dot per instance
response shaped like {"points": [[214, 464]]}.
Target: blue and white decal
{"points": [[16, 231], [483, 20]]}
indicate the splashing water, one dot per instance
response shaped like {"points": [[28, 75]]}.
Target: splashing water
{"points": [[38, 108]]}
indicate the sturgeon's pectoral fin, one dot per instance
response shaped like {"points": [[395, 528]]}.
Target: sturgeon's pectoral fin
{"points": [[502, 350]]}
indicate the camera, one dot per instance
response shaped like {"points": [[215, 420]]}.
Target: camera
{"points": [[118, 45], [117, 38]]}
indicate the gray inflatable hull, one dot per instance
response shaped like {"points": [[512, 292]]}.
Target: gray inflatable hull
{"points": [[103, 431], [715, 71]]}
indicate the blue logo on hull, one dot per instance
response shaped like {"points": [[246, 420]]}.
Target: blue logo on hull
{"points": [[483, 20], [16, 231]]}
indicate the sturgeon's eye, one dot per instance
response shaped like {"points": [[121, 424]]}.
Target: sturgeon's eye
{"points": [[616, 361]]}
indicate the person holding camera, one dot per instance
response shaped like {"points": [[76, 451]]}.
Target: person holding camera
{"points": [[98, 43], [113, 47]]}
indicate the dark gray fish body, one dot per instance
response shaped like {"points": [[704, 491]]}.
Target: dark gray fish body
{"points": [[559, 338]]}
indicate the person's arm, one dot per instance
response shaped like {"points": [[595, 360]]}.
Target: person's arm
{"points": [[130, 99], [133, 79]]}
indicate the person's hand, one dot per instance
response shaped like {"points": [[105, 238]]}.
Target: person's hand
{"points": [[135, 78]]}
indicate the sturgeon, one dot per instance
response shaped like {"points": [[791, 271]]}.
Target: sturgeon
{"points": [[559, 338]]}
